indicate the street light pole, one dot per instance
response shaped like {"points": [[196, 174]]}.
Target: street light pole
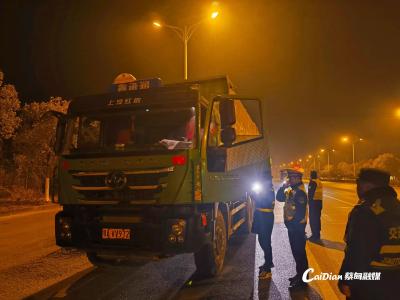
{"points": [[185, 45], [184, 35], [328, 161], [353, 144], [354, 160], [319, 163]]}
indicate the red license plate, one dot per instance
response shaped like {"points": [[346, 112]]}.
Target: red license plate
{"points": [[115, 234]]}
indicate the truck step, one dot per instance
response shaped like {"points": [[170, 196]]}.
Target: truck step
{"points": [[238, 223], [238, 208]]}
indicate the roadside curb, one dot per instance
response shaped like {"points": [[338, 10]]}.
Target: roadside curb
{"points": [[324, 286], [29, 209]]}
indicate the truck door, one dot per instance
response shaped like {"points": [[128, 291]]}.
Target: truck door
{"points": [[230, 168]]}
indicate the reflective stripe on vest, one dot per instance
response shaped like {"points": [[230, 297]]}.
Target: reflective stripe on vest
{"points": [[389, 258], [318, 190], [269, 210], [390, 249], [388, 263], [389, 253], [304, 220]]}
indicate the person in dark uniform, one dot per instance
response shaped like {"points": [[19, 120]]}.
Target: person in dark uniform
{"points": [[315, 205], [263, 223], [295, 217], [372, 240]]}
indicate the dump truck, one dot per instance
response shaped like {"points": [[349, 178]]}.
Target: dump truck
{"points": [[148, 171]]}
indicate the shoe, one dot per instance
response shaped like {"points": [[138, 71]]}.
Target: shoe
{"points": [[265, 274], [298, 285], [314, 238], [293, 279]]}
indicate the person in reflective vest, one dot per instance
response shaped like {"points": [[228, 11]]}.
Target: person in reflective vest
{"points": [[295, 218], [372, 240], [315, 205], [263, 222]]}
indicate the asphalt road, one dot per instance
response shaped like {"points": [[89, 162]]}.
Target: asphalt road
{"points": [[32, 266]]}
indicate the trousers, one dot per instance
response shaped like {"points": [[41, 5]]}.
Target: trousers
{"points": [[315, 207], [297, 240], [264, 239]]}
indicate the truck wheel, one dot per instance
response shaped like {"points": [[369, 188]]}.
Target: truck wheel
{"points": [[210, 259], [95, 260], [99, 261]]}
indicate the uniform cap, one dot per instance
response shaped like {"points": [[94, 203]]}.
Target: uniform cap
{"points": [[375, 176], [294, 172]]}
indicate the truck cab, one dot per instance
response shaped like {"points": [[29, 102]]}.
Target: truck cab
{"points": [[148, 171]]}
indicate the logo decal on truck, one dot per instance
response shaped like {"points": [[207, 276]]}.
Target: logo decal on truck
{"points": [[124, 101], [116, 180]]}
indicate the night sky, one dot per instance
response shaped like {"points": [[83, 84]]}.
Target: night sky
{"points": [[325, 68]]}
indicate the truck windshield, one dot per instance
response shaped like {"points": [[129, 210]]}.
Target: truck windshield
{"points": [[144, 129]]}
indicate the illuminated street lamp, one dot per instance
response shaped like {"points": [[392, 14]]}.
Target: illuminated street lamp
{"points": [[353, 142], [328, 151], [397, 113], [214, 14], [184, 34], [310, 156]]}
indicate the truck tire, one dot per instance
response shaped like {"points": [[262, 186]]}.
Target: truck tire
{"points": [[95, 260], [100, 261], [210, 259]]}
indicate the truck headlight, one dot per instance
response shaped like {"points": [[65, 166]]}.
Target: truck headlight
{"points": [[65, 225], [177, 230]]}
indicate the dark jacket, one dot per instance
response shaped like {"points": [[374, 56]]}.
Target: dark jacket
{"points": [[264, 211], [365, 230]]}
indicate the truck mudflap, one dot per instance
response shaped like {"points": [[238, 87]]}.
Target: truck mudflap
{"points": [[155, 232]]}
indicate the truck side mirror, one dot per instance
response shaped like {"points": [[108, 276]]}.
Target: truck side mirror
{"points": [[228, 136], [227, 112], [60, 130]]}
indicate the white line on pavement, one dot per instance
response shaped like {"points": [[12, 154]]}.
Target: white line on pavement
{"points": [[324, 286], [345, 202]]}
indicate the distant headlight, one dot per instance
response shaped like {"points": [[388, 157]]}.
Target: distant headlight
{"points": [[257, 187]]}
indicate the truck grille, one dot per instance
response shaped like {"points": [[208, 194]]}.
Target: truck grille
{"points": [[135, 187]]}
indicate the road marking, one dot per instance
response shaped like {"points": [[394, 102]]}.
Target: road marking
{"points": [[345, 202], [324, 286]]}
